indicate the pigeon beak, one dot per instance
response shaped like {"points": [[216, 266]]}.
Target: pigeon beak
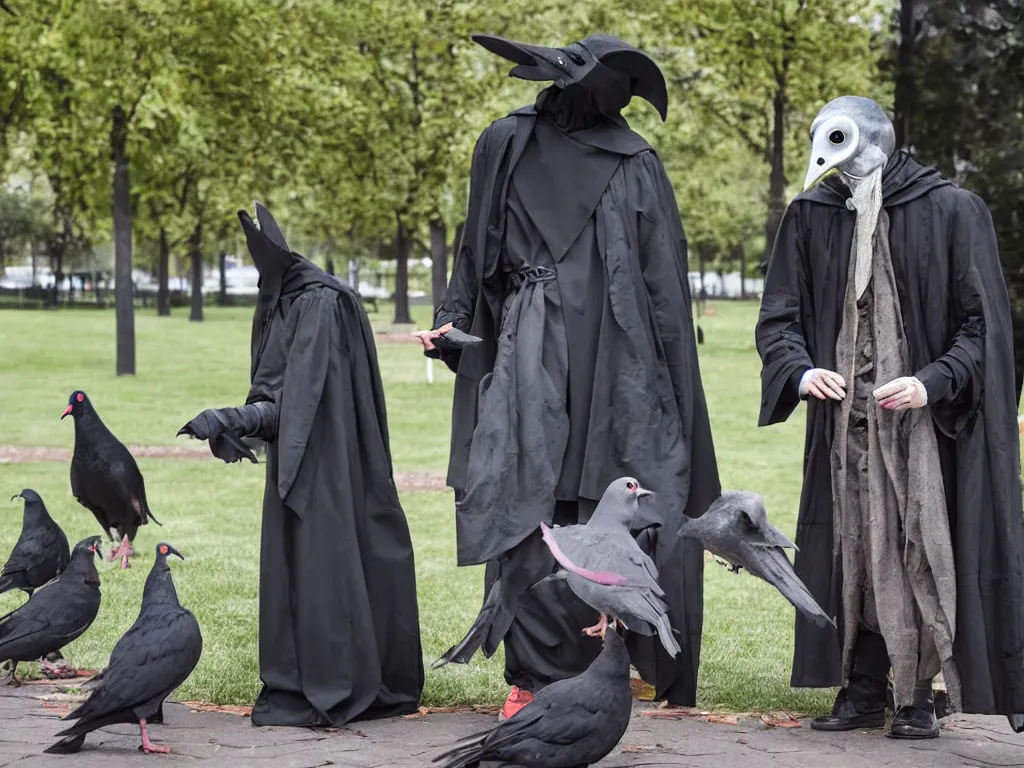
{"points": [[66, 411], [16, 496], [640, 492], [167, 550], [646, 514]]}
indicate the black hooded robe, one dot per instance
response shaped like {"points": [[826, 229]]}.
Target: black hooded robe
{"points": [[615, 325], [956, 318], [339, 624]]}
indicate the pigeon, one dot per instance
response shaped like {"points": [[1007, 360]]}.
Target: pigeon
{"points": [[572, 723], [40, 554], [57, 612], [735, 528], [628, 590], [41, 551], [155, 656], [105, 478]]}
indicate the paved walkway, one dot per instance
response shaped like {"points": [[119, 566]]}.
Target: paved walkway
{"points": [[29, 718]]}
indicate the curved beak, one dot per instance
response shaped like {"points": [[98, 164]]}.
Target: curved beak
{"points": [[641, 492], [17, 496], [176, 553], [67, 411]]}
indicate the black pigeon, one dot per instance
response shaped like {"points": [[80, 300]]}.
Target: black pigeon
{"points": [[154, 657], [39, 555], [571, 723], [105, 478], [736, 528], [41, 551], [57, 612]]}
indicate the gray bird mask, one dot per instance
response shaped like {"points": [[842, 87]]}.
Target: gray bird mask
{"points": [[851, 135]]}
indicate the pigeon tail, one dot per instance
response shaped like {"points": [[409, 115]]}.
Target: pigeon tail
{"points": [[606, 578], [66, 746], [467, 752], [478, 632]]}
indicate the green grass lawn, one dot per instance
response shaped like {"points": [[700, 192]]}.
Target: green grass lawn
{"points": [[210, 510]]}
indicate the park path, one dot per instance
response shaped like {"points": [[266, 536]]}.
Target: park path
{"points": [[418, 480], [29, 719]]}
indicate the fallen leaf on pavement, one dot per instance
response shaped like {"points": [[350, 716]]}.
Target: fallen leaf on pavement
{"points": [[780, 720], [672, 713], [482, 709], [231, 709], [723, 719], [638, 748], [641, 690]]}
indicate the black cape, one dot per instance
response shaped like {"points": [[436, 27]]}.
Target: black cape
{"points": [[956, 316], [654, 425], [339, 623]]}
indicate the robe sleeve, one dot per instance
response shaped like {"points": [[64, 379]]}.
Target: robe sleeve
{"points": [[955, 382], [313, 331], [779, 334], [460, 299]]}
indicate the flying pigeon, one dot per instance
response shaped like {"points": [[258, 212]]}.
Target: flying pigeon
{"points": [[41, 551], [56, 614], [572, 723], [627, 589], [736, 529], [105, 478], [155, 656]]}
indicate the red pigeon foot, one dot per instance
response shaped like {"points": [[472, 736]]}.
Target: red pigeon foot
{"points": [[598, 629], [58, 670], [149, 747]]}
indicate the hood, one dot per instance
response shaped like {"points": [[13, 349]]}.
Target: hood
{"points": [[610, 69], [903, 180], [268, 249]]}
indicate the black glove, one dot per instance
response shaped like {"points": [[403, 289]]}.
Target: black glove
{"points": [[225, 428]]}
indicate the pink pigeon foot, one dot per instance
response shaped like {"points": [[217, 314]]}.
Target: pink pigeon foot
{"points": [[57, 670], [124, 551], [598, 629], [148, 746]]}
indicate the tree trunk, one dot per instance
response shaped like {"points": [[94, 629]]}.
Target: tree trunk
{"points": [[353, 274], [163, 276], [123, 289], [330, 266], [195, 254], [904, 76], [438, 262], [402, 315], [222, 264], [777, 184]]}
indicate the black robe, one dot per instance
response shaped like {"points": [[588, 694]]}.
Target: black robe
{"points": [[634, 399], [956, 317], [339, 624]]}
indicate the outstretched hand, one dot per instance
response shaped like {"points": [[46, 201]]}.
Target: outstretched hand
{"points": [[823, 384], [901, 394], [426, 337], [205, 426]]}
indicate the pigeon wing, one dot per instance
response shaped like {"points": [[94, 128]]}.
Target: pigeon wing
{"points": [[597, 555], [563, 719], [155, 656]]}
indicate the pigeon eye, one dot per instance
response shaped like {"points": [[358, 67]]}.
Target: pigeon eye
{"points": [[163, 549], [837, 137], [79, 397], [631, 485]]}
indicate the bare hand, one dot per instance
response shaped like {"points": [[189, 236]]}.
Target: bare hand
{"points": [[823, 384], [425, 337], [901, 394]]}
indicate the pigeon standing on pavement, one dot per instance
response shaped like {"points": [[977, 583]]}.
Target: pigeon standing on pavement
{"points": [[572, 723], [736, 529], [607, 570], [57, 612], [155, 656], [41, 551], [105, 478]]}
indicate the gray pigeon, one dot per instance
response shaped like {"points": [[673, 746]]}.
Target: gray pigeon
{"points": [[572, 723], [736, 529], [606, 568]]}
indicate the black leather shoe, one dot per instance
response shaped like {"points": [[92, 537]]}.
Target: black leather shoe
{"points": [[846, 717], [914, 723]]}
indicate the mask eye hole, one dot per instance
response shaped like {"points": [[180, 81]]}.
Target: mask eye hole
{"points": [[575, 58], [837, 137]]}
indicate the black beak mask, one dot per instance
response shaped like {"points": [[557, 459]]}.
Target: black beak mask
{"points": [[268, 249], [611, 70]]}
